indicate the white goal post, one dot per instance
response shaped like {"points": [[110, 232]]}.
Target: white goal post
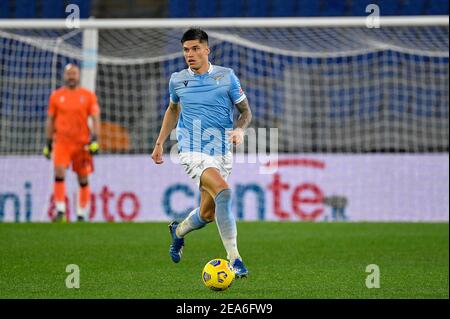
{"points": [[385, 21]]}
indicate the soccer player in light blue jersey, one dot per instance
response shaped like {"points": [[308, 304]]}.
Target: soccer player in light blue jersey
{"points": [[202, 99]]}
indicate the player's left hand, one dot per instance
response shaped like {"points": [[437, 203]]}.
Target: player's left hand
{"points": [[47, 150], [93, 146], [236, 136]]}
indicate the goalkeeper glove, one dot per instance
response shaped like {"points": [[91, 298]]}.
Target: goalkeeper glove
{"points": [[47, 151], [93, 146]]}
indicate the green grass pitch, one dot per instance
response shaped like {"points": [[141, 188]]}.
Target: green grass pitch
{"points": [[286, 260]]}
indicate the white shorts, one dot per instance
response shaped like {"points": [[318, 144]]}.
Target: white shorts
{"points": [[195, 163]]}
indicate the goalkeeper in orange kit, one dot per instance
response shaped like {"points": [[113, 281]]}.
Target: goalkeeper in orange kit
{"points": [[70, 140]]}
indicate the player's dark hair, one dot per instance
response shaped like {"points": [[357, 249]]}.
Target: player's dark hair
{"points": [[195, 34]]}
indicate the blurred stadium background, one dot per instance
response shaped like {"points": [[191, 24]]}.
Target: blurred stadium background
{"points": [[368, 106]]}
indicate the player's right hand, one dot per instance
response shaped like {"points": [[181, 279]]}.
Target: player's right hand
{"points": [[47, 150], [157, 154]]}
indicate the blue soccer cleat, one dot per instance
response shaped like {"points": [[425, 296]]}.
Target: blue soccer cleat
{"points": [[239, 269], [176, 248]]}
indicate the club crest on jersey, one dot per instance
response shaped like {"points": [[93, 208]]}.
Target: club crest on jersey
{"points": [[217, 78], [61, 99], [185, 83]]}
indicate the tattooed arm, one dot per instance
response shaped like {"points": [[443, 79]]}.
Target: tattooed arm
{"points": [[245, 117], [246, 114]]}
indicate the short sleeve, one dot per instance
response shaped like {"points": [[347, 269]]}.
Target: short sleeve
{"points": [[52, 105], [173, 95], [236, 93], [94, 109]]}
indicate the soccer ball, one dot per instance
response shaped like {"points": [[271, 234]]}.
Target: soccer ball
{"points": [[217, 274]]}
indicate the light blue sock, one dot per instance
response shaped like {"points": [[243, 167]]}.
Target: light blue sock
{"points": [[192, 222], [226, 223]]}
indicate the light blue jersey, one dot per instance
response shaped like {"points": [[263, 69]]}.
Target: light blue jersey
{"points": [[207, 103]]}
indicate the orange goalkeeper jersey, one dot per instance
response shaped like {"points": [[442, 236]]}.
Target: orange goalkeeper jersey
{"points": [[71, 109]]}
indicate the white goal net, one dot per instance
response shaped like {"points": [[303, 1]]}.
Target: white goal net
{"points": [[327, 89]]}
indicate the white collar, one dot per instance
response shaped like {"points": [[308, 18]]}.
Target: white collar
{"points": [[209, 69]]}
